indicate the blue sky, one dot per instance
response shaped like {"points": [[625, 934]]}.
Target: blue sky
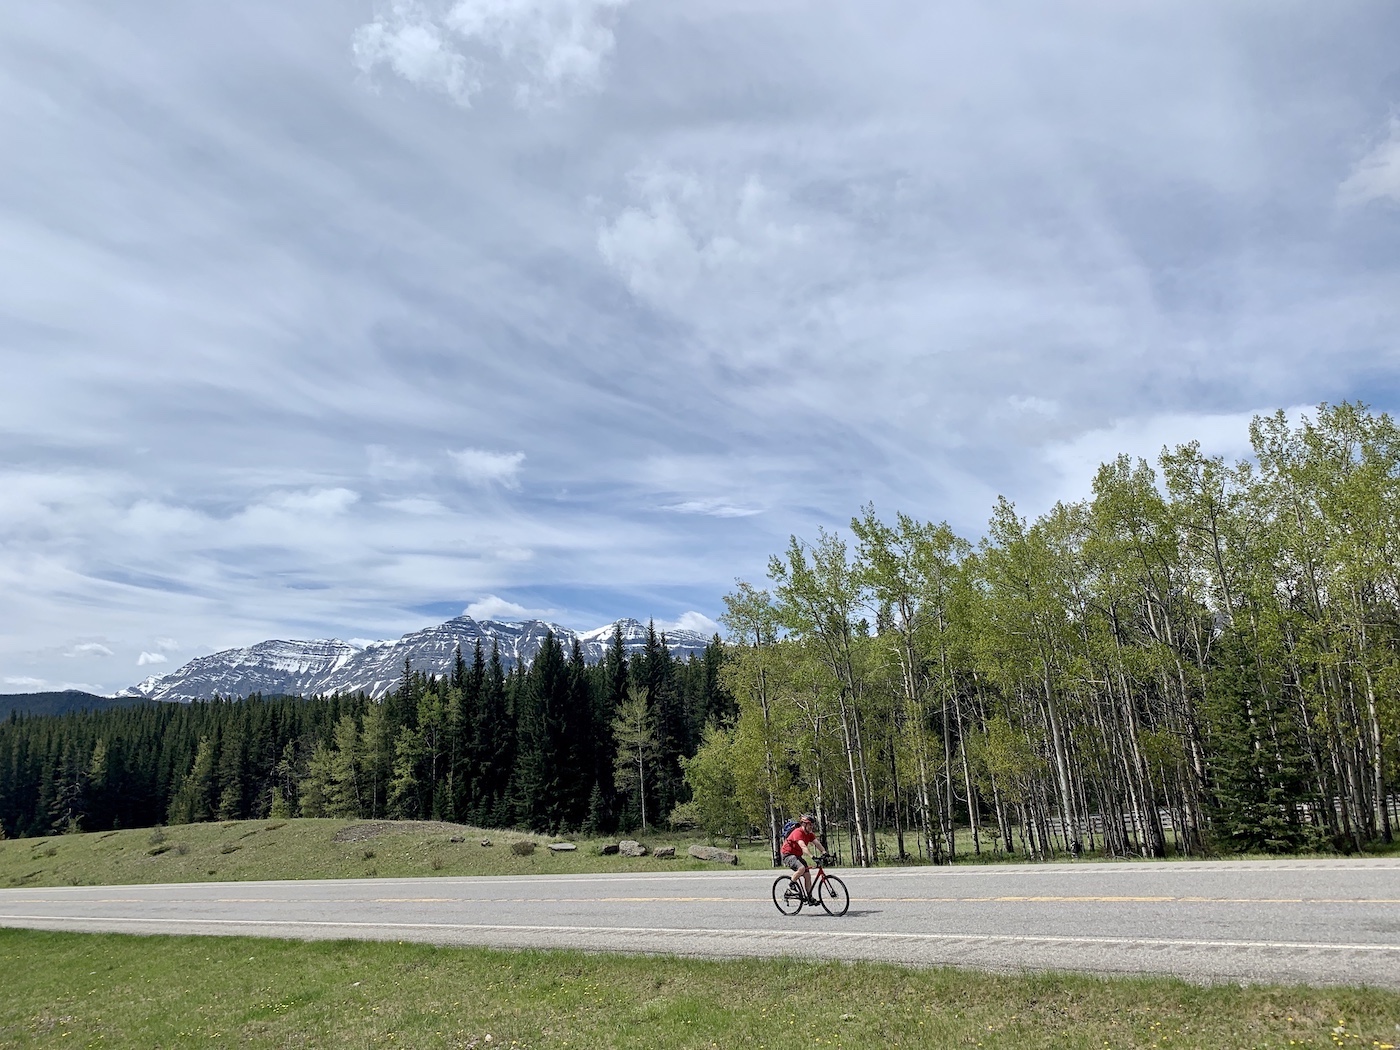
{"points": [[319, 319]]}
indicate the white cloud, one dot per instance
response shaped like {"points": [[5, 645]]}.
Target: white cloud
{"points": [[150, 658], [691, 621], [545, 48], [1377, 175], [406, 38], [88, 649], [715, 508], [23, 680], [1034, 406], [483, 467], [330, 501], [692, 239], [491, 607], [1077, 460], [167, 645]]}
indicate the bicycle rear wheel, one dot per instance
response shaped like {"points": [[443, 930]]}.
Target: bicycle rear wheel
{"points": [[787, 896], [831, 892]]}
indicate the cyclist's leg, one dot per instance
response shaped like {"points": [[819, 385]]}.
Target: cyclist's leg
{"points": [[798, 875]]}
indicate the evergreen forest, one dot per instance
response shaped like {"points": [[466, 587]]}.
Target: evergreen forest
{"points": [[1199, 657]]}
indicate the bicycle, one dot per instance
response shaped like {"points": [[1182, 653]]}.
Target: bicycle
{"points": [[827, 890]]}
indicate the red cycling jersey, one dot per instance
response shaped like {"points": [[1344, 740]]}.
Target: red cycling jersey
{"points": [[797, 838]]}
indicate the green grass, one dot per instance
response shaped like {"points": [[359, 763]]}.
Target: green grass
{"points": [[112, 990], [308, 849]]}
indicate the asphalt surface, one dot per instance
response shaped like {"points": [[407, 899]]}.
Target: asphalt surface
{"points": [[1312, 922]]}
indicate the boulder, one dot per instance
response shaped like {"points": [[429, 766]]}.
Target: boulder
{"points": [[486, 842], [630, 848], [456, 839], [664, 853], [562, 847], [610, 850], [719, 856]]}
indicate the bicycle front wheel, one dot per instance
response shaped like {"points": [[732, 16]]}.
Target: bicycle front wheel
{"points": [[787, 896], [833, 896]]}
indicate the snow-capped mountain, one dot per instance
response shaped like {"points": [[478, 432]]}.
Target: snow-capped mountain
{"points": [[326, 666]]}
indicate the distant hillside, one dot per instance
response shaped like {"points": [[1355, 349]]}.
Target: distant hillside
{"points": [[60, 703]]}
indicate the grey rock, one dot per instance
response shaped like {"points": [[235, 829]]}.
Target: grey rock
{"points": [[610, 850], [486, 842], [630, 848], [562, 847], [664, 852], [719, 856], [456, 838]]}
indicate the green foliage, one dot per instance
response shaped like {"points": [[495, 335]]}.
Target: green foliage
{"points": [[1257, 777], [714, 786], [634, 735]]}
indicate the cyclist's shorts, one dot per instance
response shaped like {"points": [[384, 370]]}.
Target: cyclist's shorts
{"points": [[794, 862]]}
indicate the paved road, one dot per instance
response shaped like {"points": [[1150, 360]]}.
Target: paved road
{"points": [[1315, 922]]}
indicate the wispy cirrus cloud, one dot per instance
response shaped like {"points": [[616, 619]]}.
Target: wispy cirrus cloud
{"points": [[715, 508], [269, 262], [485, 467], [1376, 176]]}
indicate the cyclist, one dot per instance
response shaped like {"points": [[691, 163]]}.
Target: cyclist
{"points": [[795, 848]]}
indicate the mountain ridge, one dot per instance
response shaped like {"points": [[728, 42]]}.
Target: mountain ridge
{"points": [[330, 665]]}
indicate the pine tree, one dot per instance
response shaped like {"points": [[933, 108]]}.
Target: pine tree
{"points": [[1253, 790], [493, 743], [343, 793], [315, 788], [194, 800], [405, 787]]}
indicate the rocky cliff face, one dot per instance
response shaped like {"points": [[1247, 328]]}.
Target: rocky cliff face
{"points": [[307, 668]]}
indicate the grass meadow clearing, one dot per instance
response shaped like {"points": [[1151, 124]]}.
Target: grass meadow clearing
{"points": [[246, 850]]}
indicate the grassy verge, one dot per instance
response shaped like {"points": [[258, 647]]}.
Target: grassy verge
{"points": [[312, 849], [112, 990], [240, 851]]}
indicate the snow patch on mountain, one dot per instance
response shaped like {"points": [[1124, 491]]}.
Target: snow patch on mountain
{"points": [[308, 668]]}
